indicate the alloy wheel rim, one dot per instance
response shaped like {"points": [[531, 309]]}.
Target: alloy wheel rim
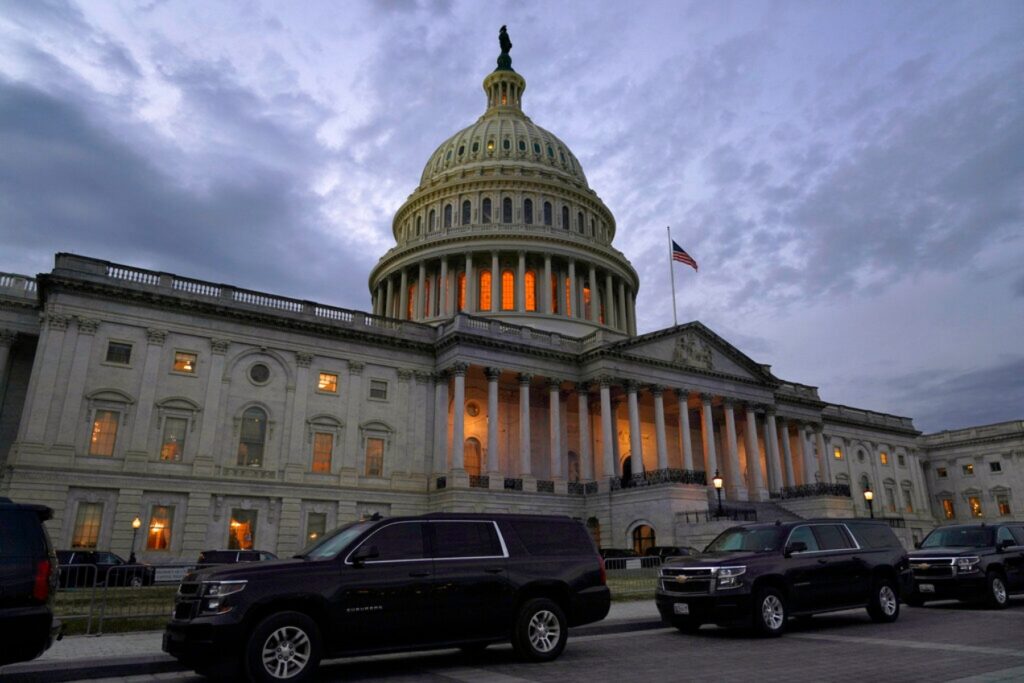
{"points": [[544, 631], [887, 600], [286, 652], [772, 612], [998, 590]]}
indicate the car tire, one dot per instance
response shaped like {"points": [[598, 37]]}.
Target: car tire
{"points": [[540, 631], [996, 595], [136, 582], [283, 647], [770, 612], [884, 601], [686, 624]]}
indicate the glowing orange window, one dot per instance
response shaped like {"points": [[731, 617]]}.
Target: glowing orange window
{"points": [[427, 311], [462, 291], [323, 449], [531, 290], [568, 298], [410, 305], [485, 290], [586, 302], [508, 290]]}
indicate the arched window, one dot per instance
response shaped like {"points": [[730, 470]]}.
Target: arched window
{"points": [[465, 212], [531, 290], [506, 210], [528, 211], [253, 438], [547, 213], [462, 291], [485, 211], [447, 215], [593, 228], [410, 304], [579, 222], [471, 456], [565, 218], [433, 221], [508, 290], [419, 225], [643, 538], [485, 290]]}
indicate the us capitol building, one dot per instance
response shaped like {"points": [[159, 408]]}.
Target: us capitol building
{"points": [[499, 370]]}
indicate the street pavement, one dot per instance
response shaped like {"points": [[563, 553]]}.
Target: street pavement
{"points": [[940, 642]]}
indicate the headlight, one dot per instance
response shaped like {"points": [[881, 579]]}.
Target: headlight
{"points": [[966, 565], [218, 589], [730, 577]]}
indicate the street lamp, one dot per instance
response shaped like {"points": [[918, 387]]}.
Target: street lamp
{"points": [[869, 496], [136, 523], [717, 481]]}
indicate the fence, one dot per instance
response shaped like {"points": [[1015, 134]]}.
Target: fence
{"points": [[632, 577]]}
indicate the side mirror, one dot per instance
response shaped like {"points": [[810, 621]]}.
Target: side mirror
{"points": [[364, 553], [917, 544], [796, 547]]}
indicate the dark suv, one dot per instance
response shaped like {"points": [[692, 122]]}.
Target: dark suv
{"points": [[762, 574], [86, 568], [211, 557], [969, 562], [406, 583], [28, 579]]}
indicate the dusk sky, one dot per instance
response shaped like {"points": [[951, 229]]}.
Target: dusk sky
{"points": [[849, 175]]}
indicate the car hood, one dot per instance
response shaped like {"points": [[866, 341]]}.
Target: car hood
{"points": [[712, 559], [946, 552], [244, 570]]}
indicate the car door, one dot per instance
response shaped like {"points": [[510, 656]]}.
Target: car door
{"points": [[804, 573], [843, 576], [1013, 556], [474, 596], [386, 600]]}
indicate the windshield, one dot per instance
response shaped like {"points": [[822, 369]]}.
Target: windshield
{"points": [[753, 540], [959, 537], [332, 544]]}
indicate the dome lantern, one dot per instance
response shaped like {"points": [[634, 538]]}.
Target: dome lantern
{"points": [[504, 87]]}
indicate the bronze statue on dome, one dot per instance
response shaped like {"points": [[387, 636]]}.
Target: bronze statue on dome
{"points": [[504, 59]]}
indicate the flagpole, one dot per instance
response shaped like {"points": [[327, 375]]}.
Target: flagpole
{"points": [[672, 276]]}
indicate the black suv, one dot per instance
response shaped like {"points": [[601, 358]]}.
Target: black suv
{"points": [[969, 562], [28, 579], [86, 568], [406, 583], [762, 574], [212, 557]]}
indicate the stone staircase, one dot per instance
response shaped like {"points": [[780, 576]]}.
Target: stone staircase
{"points": [[699, 534], [768, 511]]}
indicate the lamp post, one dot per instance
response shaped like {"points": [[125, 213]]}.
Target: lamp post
{"points": [[869, 496], [717, 481], [136, 523]]}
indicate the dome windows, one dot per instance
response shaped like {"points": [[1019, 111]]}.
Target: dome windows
{"points": [[508, 290], [485, 211], [419, 225], [531, 290], [466, 212], [506, 144], [506, 210], [448, 156], [565, 218], [485, 290], [462, 148], [547, 213], [551, 152], [579, 222], [490, 145], [476, 147], [536, 148], [528, 211], [447, 215], [432, 224], [522, 145]]}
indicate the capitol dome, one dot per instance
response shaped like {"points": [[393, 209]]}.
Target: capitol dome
{"points": [[504, 225]]}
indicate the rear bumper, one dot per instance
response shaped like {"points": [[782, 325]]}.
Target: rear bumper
{"points": [[29, 632], [590, 605]]}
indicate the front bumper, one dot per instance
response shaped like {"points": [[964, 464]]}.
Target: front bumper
{"points": [[201, 640], [722, 608], [956, 588]]}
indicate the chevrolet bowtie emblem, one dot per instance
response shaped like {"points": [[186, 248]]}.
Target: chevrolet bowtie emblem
{"points": [[681, 578], [923, 566]]}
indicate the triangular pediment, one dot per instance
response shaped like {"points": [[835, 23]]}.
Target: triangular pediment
{"points": [[694, 347]]}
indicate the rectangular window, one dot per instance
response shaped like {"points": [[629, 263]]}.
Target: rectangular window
{"points": [[328, 383], [975, 504], [968, 470], [160, 522], [466, 539], [884, 457], [995, 467], [1003, 501], [901, 460], [87, 525], [941, 472], [908, 501], [323, 449], [378, 389], [119, 353], [185, 362], [838, 453], [316, 525], [174, 438], [104, 433], [947, 508], [374, 457], [890, 499], [242, 529]]}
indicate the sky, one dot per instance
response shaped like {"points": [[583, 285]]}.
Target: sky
{"points": [[849, 175]]}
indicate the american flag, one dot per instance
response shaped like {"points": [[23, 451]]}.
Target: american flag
{"points": [[679, 254]]}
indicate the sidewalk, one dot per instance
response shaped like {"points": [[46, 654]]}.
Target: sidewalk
{"points": [[107, 655]]}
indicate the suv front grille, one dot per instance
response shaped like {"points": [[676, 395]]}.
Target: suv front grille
{"points": [[933, 567], [188, 589], [686, 580]]}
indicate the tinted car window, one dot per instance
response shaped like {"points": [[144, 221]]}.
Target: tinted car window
{"points": [[1018, 534], [1004, 535], [831, 537], [549, 539], [870, 535], [959, 537], [399, 542], [465, 539], [757, 540], [803, 534], [248, 556], [106, 558]]}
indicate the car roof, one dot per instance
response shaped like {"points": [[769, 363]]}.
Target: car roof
{"points": [[498, 516], [821, 520], [43, 511]]}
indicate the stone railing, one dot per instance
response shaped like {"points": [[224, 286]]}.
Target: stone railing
{"points": [[715, 515], [866, 417], [656, 477], [241, 472], [513, 484], [812, 491], [17, 286], [579, 488], [545, 486], [479, 482], [501, 329]]}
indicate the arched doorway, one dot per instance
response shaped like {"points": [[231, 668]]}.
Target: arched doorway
{"points": [[643, 538], [471, 456], [627, 469]]}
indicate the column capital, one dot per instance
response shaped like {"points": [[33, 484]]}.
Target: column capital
{"points": [[219, 346], [706, 398], [525, 378], [87, 325], [553, 383], [56, 321], [441, 376], [631, 386], [818, 427], [682, 393], [7, 337], [303, 359], [657, 390], [769, 410], [422, 377], [459, 369], [156, 336], [728, 402], [404, 374], [605, 381], [492, 374], [355, 367]]}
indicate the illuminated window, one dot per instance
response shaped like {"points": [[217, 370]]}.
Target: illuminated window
{"points": [[1003, 502], [908, 500], [884, 457], [586, 302], [547, 213], [485, 211], [87, 525], [160, 521], [490, 145], [316, 525], [104, 433], [242, 529], [185, 362], [447, 215], [975, 504], [485, 290], [968, 470], [328, 382], [531, 290], [941, 472], [323, 449], [837, 453], [119, 353], [508, 290], [643, 538], [947, 508], [462, 291], [466, 208], [378, 389], [568, 298], [253, 438], [506, 210], [528, 211], [410, 304], [173, 443], [374, 457]]}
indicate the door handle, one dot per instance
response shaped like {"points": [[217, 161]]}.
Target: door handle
{"points": [[822, 561], [419, 575], [494, 570]]}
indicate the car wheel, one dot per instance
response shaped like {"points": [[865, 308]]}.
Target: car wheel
{"points": [[998, 598], [770, 612], [540, 631], [136, 582], [884, 603], [686, 624], [283, 647]]}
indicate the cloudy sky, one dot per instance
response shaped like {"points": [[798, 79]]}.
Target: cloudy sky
{"points": [[850, 175]]}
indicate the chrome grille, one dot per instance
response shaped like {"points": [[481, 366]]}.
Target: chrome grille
{"points": [[933, 567], [686, 580]]}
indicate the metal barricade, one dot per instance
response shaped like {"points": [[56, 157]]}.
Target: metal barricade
{"points": [[632, 577]]}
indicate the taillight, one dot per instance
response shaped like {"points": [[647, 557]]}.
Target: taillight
{"points": [[41, 588], [604, 574]]}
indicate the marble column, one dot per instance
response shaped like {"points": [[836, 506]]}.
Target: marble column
{"points": [[441, 422], [403, 296], [787, 454], [823, 457], [493, 455], [389, 302], [805, 456], [421, 299], [623, 324], [708, 432], [44, 378], [636, 445], [525, 468], [555, 427], [147, 391], [607, 430], [586, 458], [772, 450], [571, 307], [734, 483], [297, 455], [659, 426], [757, 490], [595, 303], [631, 313], [496, 288], [459, 418], [74, 383], [546, 289], [444, 291], [610, 315], [7, 338], [521, 283], [471, 286], [683, 397]]}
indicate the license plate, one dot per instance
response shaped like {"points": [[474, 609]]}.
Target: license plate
{"points": [[926, 588], [681, 608]]}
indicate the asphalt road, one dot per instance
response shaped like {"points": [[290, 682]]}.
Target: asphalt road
{"points": [[945, 642]]}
